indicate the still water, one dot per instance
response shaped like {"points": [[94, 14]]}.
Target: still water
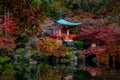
{"points": [[72, 70], [61, 69]]}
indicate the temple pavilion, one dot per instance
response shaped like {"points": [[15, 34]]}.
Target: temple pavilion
{"points": [[63, 33]]}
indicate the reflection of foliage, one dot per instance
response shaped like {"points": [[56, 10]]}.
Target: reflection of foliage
{"points": [[39, 72], [26, 72], [104, 57], [109, 75], [51, 72], [113, 49], [81, 75]]}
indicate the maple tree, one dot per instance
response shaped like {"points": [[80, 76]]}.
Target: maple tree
{"points": [[26, 14], [103, 37], [20, 18], [7, 30], [99, 36]]}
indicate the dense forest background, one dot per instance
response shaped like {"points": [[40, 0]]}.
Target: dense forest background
{"points": [[21, 22], [25, 16]]}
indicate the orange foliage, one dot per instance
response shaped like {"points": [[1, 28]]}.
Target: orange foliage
{"points": [[6, 42], [48, 46]]}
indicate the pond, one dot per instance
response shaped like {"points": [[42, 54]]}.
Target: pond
{"points": [[61, 69], [44, 71], [68, 71]]}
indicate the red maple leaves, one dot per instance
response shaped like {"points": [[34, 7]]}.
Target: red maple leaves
{"points": [[101, 35], [7, 29], [10, 27]]}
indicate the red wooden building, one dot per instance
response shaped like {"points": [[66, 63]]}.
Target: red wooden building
{"points": [[63, 32]]}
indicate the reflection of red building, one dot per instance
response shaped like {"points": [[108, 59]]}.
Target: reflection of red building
{"points": [[64, 31]]}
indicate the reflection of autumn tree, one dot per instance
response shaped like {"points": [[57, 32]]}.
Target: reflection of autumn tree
{"points": [[48, 72], [113, 48], [104, 57], [48, 47]]}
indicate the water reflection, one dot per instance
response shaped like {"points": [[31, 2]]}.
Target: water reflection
{"points": [[59, 69], [46, 71]]}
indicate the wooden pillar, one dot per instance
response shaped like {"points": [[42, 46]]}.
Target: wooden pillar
{"points": [[98, 59], [113, 61], [68, 33], [59, 33]]}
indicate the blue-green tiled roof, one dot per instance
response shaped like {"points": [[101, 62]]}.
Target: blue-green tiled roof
{"points": [[68, 23]]}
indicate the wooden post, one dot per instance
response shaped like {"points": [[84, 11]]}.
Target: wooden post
{"points": [[107, 63], [68, 33], [113, 61], [59, 33], [98, 59]]}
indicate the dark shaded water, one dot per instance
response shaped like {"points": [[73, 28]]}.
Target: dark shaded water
{"points": [[62, 69]]}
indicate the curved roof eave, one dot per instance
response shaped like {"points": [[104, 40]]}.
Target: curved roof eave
{"points": [[68, 23]]}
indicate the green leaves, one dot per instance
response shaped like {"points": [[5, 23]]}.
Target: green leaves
{"points": [[4, 59], [37, 0], [91, 6], [5, 65], [114, 7], [79, 44], [7, 68]]}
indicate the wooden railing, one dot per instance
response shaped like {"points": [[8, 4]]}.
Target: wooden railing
{"points": [[64, 36]]}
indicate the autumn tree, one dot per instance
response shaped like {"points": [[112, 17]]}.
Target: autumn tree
{"points": [[100, 36], [26, 15], [50, 47]]}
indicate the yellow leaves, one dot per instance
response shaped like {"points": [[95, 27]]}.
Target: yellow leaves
{"points": [[104, 57], [50, 42], [114, 7], [49, 46], [55, 6], [51, 72]]}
